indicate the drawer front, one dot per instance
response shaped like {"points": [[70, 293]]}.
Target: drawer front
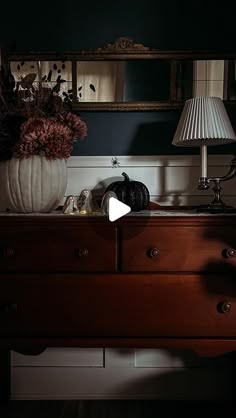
{"points": [[118, 306], [82, 249], [178, 248]]}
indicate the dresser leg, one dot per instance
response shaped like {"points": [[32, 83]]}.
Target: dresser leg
{"points": [[5, 376]]}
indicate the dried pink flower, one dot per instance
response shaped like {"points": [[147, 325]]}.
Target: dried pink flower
{"points": [[34, 120], [44, 136], [77, 126]]}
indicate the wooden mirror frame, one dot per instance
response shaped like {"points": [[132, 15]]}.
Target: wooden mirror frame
{"points": [[123, 49]]}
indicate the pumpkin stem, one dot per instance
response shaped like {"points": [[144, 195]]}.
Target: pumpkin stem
{"points": [[125, 176]]}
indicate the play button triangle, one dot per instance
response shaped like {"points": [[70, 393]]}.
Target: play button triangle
{"points": [[117, 209]]}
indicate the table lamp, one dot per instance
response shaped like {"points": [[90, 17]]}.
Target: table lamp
{"points": [[204, 122]]}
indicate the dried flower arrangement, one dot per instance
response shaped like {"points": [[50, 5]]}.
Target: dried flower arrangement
{"points": [[35, 120]]}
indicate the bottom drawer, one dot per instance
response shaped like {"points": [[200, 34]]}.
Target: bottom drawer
{"points": [[117, 306]]}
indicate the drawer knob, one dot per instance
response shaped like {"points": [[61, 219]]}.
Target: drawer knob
{"points": [[8, 307], [153, 252], [230, 252], [224, 307], [7, 252], [83, 252]]}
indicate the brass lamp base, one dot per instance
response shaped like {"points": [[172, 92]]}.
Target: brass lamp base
{"points": [[213, 208], [217, 205]]}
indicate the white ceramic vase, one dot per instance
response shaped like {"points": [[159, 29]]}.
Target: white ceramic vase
{"points": [[33, 184]]}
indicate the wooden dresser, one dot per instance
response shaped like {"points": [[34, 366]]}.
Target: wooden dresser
{"points": [[157, 280]]}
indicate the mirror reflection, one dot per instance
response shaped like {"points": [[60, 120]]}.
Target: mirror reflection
{"points": [[56, 74], [132, 80], [123, 81], [206, 78], [102, 81]]}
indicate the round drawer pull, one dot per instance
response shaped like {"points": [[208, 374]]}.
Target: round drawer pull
{"points": [[230, 252], [83, 252], [8, 307], [224, 307], [7, 252], [153, 252]]}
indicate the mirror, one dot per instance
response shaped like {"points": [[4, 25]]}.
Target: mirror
{"points": [[129, 76], [123, 81], [211, 77]]}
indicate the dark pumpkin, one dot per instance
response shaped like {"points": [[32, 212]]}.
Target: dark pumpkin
{"points": [[133, 193]]}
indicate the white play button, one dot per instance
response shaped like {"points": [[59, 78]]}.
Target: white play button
{"points": [[117, 209]]}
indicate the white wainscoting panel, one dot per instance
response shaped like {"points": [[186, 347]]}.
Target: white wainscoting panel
{"points": [[61, 357], [171, 180], [202, 383], [177, 359], [133, 373]]}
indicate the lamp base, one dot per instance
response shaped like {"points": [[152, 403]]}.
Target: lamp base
{"points": [[217, 205], [215, 208]]}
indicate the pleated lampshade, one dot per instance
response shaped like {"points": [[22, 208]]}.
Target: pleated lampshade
{"points": [[204, 121]]}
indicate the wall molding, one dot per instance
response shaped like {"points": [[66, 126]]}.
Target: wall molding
{"points": [[147, 160], [171, 180]]}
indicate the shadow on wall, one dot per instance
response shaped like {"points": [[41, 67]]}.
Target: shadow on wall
{"points": [[157, 137], [176, 375], [165, 192], [154, 138], [184, 385], [135, 133], [191, 383], [128, 133]]}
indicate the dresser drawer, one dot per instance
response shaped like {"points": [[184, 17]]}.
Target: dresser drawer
{"points": [[178, 248], [65, 249], [118, 306]]}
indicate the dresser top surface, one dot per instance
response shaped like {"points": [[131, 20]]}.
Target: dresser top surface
{"points": [[144, 213], [151, 218]]}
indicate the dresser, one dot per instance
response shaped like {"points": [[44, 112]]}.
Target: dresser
{"points": [[152, 279]]}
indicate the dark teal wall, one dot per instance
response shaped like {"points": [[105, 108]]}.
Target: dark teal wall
{"points": [[163, 24], [48, 25]]}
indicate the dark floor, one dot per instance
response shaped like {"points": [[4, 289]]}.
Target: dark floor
{"points": [[106, 409]]}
